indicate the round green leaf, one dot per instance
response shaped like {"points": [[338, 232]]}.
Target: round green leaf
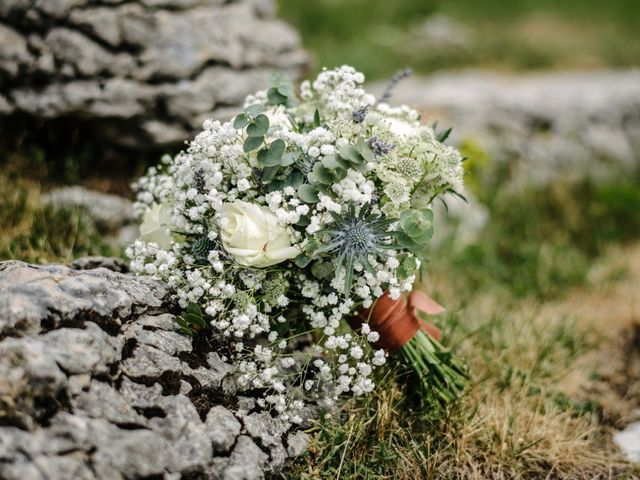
{"points": [[259, 127], [275, 97], [241, 121], [253, 110], [308, 193], [251, 143]]}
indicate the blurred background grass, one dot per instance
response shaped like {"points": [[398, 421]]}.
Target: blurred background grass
{"points": [[381, 36]]}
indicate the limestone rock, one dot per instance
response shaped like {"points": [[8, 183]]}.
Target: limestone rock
{"points": [[223, 428], [108, 211], [541, 127], [143, 72], [95, 383]]}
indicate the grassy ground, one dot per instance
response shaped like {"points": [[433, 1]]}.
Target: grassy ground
{"points": [[380, 37], [34, 232]]}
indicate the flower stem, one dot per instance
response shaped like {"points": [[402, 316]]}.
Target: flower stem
{"points": [[441, 376]]}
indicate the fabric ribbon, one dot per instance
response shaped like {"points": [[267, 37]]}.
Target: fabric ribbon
{"points": [[397, 320]]}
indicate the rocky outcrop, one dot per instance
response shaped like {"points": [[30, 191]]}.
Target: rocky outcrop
{"points": [[96, 384], [538, 128], [147, 72]]}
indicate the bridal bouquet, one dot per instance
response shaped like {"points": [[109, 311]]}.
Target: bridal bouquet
{"points": [[290, 233]]}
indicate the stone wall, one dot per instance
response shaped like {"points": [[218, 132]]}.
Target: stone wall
{"points": [[143, 73]]}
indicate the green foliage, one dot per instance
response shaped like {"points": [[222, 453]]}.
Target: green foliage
{"points": [[542, 242], [416, 230], [252, 143], [259, 126], [308, 193], [192, 321], [281, 91], [272, 156]]}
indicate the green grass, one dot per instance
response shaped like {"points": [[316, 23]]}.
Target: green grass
{"points": [[379, 37], [37, 233]]}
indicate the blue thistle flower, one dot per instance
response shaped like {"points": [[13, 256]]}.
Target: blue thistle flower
{"points": [[201, 247], [354, 236]]}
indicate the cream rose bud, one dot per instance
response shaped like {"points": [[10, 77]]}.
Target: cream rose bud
{"points": [[156, 225], [253, 236]]}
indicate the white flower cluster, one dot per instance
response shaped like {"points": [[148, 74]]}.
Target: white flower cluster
{"points": [[285, 222]]}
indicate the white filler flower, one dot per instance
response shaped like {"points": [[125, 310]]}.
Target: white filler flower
{"points": [[401, 128], [156, 225], [252, 234]]}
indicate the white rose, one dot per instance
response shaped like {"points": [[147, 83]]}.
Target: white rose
{"points": [[401, 128], [252, 234], [157, 225]]}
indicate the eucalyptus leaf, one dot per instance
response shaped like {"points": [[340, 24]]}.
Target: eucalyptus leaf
{"points": [[365, 151], [304, 221], [294, 180], [308, 193], [322, 174], [252, 143], [289, 158], [270, 156], [275, 97], [302, 260], [268, 173], [254, 110], [259, 127], [333, 162], [323, 270], [351, 154], [241, 121], [276, 185]]}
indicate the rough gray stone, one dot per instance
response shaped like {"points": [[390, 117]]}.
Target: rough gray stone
{"points": [[297, 443], [152, 69], [629, 441], [223, 428], [546, 126], [246, 461], [93, 385], [33, 297], [267, 430], [101, 400], [108, 211]]}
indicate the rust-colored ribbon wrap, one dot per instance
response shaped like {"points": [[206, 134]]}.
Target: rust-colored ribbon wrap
{"points": [[397, 321]]}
